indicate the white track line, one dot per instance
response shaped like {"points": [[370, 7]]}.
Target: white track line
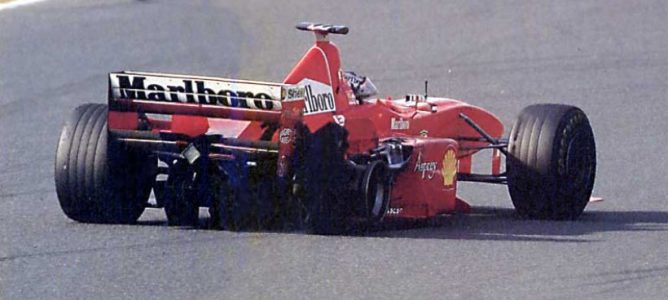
{"points": [[17, 3]]}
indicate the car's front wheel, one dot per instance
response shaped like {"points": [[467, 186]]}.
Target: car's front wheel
{"points": [[552, 162]]}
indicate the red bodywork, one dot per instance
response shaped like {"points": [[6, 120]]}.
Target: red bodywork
{"points": [[443, 144]]}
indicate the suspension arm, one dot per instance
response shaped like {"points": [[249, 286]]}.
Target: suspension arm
{"points": [[482, 133]]}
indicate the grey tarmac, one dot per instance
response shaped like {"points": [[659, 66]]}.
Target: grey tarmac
{"points": [[607, 57]]}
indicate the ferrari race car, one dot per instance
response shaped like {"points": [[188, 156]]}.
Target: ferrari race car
{"points": [[318, 149]]}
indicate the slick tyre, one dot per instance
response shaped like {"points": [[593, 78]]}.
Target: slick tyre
{"points": [[551, 163], [97, 180]]}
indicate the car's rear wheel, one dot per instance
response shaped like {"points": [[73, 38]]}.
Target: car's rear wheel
{"points": [[97, 179], [551, 163]]}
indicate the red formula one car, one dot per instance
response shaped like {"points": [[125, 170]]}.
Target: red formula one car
{"points": [[317, 149]]}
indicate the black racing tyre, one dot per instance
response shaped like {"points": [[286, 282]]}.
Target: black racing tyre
{"points": [[181, 208], [97, 180], [551, 163], [326, 180]]}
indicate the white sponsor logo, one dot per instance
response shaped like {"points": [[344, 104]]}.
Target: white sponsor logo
{"points": [[318, 97], [394, 210], [427, 168], [294, 93], [399, 124], [222, 92]]}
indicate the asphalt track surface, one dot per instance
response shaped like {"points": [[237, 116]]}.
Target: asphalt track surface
{"points": [[608, 57]]}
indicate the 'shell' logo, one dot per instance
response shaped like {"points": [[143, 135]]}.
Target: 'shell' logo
{"points": [[449, 170]]}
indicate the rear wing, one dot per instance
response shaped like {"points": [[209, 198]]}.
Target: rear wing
{"points": [[169, 114], [199, 95]]}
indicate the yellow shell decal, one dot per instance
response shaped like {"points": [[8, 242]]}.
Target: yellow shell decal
{"points": [[449, 169]]}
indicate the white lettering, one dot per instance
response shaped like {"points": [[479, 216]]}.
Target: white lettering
{"points": [[394, 210], [318, 97], [399, 124], [428, 168]]}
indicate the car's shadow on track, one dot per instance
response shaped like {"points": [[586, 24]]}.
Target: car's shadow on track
{"points": [[494, 223], [503, 224]]}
